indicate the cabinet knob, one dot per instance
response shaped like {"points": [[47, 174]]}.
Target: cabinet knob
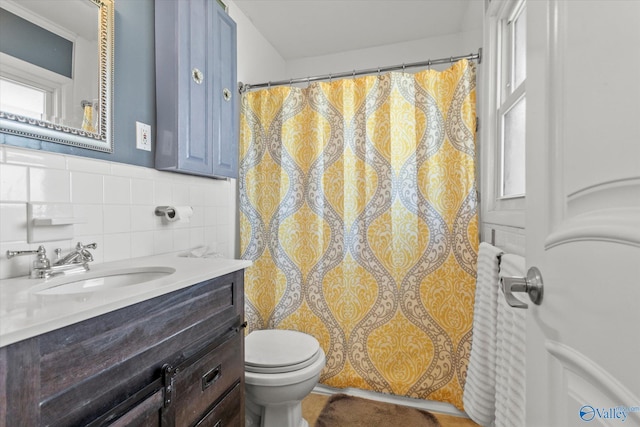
{"points": [[197, 75], [226, 94]]}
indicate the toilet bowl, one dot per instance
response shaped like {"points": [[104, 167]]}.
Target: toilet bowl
{"points": [[281, 368]]}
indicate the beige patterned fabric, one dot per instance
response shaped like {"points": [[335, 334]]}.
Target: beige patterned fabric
{"points": [[358, 209]]}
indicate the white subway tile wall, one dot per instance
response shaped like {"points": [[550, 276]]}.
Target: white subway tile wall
{"points": [[49, 185], [118, 202], [13, 183]]}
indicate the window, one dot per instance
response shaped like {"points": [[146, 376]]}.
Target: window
{"points": [[512, 101], [22, 99], [32, 91], [503, 109]]}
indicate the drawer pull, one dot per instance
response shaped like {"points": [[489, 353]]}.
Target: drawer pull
{"points": [[211, 377]]}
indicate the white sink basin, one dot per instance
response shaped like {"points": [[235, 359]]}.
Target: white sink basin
{"points": [[100, 280]]}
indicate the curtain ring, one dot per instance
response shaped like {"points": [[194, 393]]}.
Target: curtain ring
{"points": [[378, 72], [330, 78], [308, 81], [429, 65], [269, 85], [403, 68], [354, 74], [290, 82]]}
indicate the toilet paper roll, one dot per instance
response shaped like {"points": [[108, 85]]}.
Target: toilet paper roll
{"points": [[178, 213]]}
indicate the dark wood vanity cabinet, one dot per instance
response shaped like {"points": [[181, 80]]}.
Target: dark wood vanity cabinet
{"points": [[174, 360]]}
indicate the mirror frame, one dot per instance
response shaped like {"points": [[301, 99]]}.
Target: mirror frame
{"points": [[103, 141]]}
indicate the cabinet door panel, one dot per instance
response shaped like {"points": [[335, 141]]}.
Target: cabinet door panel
{"points": [[196, 75], [145, 414], [225, 99]]}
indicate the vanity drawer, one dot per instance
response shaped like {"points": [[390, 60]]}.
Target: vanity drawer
{"points": [[226, 413], [199, 385]]}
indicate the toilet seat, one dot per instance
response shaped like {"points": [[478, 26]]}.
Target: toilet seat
{"points": [[274, 351]]}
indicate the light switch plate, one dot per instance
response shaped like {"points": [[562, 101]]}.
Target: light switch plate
{"points": [[143, 136]]}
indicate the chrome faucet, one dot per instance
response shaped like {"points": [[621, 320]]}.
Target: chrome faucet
{"points": [[75, 261], [80, 255], [40, 264]]}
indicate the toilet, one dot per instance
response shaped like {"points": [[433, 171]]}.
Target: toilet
{"points": [[281, 368]]}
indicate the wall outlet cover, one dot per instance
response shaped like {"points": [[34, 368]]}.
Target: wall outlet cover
{"points": [[143, 136]]}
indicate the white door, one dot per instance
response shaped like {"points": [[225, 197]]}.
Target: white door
{"points": [[583, 212]]}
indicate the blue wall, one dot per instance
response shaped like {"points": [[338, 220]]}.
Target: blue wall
{"points": [[134, 88], [32, 43]]}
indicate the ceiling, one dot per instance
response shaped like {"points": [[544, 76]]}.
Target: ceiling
{"points": [[308, 28], [77, 16]]}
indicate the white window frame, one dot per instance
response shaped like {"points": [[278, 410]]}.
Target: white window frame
{"points": [[57, 88], [61, 102], [45, 105], [498, 99]]}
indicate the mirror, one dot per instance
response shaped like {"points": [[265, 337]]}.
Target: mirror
{"points": [[56, 71]]}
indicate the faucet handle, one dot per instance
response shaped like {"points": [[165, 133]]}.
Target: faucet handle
{"points": [[82, 250], [80, 246], [40, 251], [40, 264]]}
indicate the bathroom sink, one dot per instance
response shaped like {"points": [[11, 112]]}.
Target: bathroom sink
{"points": [[94, 281]]}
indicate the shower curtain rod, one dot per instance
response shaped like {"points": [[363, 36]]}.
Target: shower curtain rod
{"points": [[242, 87]]}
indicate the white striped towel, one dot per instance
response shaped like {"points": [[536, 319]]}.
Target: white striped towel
{"points": [[480, 387], [511, 352]]}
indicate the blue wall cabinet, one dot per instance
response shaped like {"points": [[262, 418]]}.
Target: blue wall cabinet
{"points": [[196, 88]]}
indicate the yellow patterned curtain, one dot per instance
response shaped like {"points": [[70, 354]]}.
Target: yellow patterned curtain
{"points": [[358, 208]]}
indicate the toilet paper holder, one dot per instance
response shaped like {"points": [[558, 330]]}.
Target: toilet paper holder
{"points": [[168, 211], [174, 213]]}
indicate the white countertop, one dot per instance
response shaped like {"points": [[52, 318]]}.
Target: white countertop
{"points": [[25, 314]]}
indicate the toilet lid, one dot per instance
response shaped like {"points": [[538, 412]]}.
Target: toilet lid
{"points": [[277, 351]]}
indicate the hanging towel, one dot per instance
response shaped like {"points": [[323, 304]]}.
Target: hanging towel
{"points": [[511, 351], [480, 387]]}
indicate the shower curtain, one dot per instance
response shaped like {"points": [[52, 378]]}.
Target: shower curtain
{"points": [[358, 209]]}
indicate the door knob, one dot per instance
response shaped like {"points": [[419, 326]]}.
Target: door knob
{"points": [[532, 285]]}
